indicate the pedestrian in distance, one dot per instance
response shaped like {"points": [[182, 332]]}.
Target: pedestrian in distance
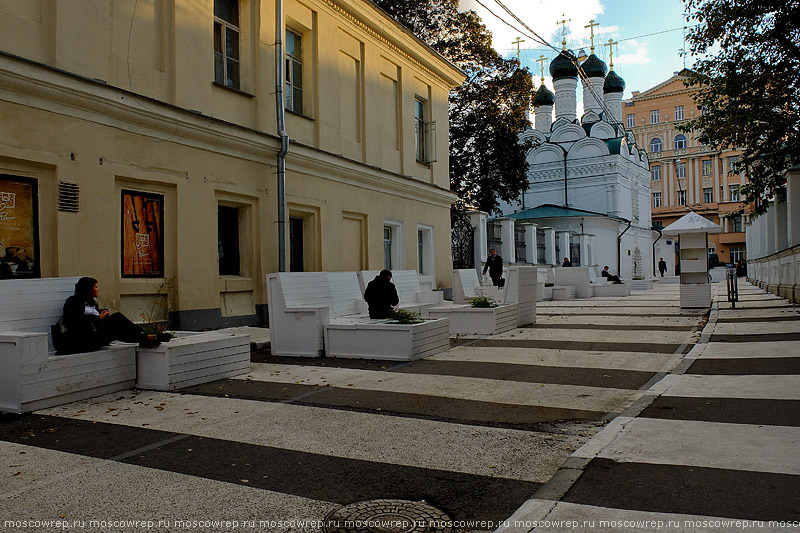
{"points": [[566, 263], [381, 295], [494, 264], [662, 266]]}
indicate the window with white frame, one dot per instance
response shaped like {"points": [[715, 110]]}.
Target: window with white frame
{"points": [[737, 254], [732, 162], [678, 112], [424, 132], [387, 247], [393, 256], [680, 170], [708, 167], [736, 223], [655, 144], [680, 142], [294, 72], [733, 193], [708, 195], [226, 43], [655, 117], [425, 255], [656, 172], [656, 199], [630, 120], [681, 197]]}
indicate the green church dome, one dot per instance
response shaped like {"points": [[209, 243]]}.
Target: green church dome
{"points": [[594, 67], [543, 97], [613, 83], [562, 67]]}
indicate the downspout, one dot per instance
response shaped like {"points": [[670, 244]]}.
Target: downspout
{"points": [[619, 249], [565, 177], [281, 117], [654, 250]]}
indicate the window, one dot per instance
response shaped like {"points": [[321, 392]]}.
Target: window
{"points": [[226, 43], [294, 72], [420, 252], [733, 193], [681, 197], [708, 167], [678, 112], [708, 195], [732, 162], [656, 172], [680, 142], [680, 170], [655, 145], [736, 223], [630, 120], [424, 133], [703, 110], [737, 254], [425, 256], [387, 247], [656, 199], [228, 240], [655, 117]]}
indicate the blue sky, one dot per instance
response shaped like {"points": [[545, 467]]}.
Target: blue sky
{"points": [[642, 60]]}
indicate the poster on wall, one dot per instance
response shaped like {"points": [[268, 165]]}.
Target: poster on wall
{"points": [[142, 234], [19, 228]]}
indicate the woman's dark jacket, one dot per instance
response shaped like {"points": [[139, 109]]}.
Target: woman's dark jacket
{"points": [[84, 333], [381, 295]]}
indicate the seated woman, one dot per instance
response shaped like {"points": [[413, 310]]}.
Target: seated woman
{"points": [[609, 276], [90, 328]]}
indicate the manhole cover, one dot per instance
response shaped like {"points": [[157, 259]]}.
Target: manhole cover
{"points": [[387, 516]]}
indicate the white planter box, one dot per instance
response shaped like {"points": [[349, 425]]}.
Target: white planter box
{"points": [[191, 360], [695, 295], [466, 320], [612, 289], [641, 284], [380, 339]]}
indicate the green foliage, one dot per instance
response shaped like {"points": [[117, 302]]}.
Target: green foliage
{"points": [[749, 79], [483, 302], [403, 316], [487, 163]]}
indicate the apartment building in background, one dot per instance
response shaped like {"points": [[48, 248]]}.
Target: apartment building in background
{"points": [[139, 145], [685, 174]]}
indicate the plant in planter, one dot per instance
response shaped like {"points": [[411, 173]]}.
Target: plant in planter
{"points": [[483, 302], [638, 278], [153, 328], [404, 316], [548, 284]]}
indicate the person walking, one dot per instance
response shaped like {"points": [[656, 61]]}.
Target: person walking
{"points": [[662, 266], [381, 295], [494, 264]]}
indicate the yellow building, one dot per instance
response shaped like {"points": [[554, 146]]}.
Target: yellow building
{"points": [[139, 145], [685, 174]]}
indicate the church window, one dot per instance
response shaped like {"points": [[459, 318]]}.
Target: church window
{"points": [[655, 145], [655, 117], [656, 172], [708, 195], [226, 43], [733, 193], [708, 167], [680, 142], [678, 112], [656, 199], [630, 120], [681, 197]]}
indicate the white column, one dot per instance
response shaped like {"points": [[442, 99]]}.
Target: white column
{"points": [[763, 236], [508, 249], [566, 102], [550, 246], [719, 190], [772, 243], [613, 102], [583, 242], [478, 221], [544, 118], [590, 103], [592, 239], [793, 206], [531, 251], [563, 239], [781, 219]]}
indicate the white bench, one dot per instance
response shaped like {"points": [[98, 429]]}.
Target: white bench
{"points": [[604, 288], [467, 286], [409, 291], [576, 277], [301, 304], [31, 375], [553, 292]]}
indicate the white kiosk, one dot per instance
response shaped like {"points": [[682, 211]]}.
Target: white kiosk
{"points": [[692, 230]]}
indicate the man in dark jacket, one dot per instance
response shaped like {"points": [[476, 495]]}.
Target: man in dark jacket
{"points": [[381, 295], [494, 264], [662, 266]]}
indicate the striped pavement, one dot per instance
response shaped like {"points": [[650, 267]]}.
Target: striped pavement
{"points": [[713, 446], [474, 432]]}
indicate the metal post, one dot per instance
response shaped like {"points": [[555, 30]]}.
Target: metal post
{"points": [[284, 149]]}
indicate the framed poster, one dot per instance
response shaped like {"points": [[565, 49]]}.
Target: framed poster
{"points": [[142, 235], [19, 227]]}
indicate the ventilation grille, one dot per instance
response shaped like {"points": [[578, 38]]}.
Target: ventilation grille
{"points": [[68, 196]]}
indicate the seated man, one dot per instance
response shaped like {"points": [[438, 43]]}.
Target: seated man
{"points": [[609, 276], [381, 295]]}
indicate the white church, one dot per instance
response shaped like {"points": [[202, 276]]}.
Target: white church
{"points": [[588, 195]]}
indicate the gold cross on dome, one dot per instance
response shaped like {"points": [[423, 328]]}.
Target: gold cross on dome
{"points": [[541, 60], [591, 26], [517, 43], [610, 44], [563, 23]]}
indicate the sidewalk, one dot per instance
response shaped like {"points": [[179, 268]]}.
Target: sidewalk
{"points": [[713, 446]]}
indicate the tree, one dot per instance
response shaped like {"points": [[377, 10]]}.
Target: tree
{"points": [[748, 78], [488, 111]]}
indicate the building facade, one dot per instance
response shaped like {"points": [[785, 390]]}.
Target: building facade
{"points": [[139, 146], [686, 174]]}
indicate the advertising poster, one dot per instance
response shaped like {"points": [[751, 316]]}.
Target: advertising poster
{"points": [[142, 234], [19, 227]]}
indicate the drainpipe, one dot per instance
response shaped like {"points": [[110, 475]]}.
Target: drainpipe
{"points": [[654, 250], [619, 249], [281, 117], [565, 177]]}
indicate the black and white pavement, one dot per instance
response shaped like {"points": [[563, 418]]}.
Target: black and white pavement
{"points": [[619, 408]]}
